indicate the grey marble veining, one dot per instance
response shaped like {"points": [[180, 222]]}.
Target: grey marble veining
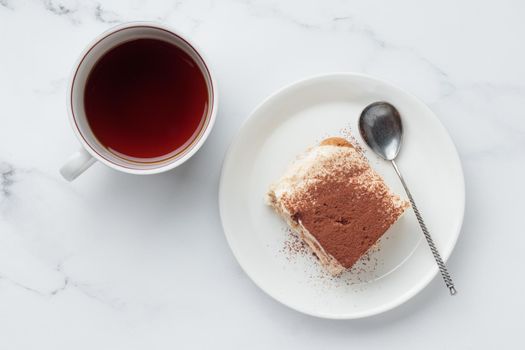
{"points": [[7, 173]]}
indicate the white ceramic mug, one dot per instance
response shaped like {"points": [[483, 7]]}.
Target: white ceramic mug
{"points": [[92, 150]]}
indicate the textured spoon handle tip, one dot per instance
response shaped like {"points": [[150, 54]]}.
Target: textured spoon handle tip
{"points": [[441, 264]]}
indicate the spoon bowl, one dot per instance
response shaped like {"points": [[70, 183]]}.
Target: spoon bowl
{"points": [[381, 128]]}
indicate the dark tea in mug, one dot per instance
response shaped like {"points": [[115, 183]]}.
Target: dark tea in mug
{"points": [[146, 100]]}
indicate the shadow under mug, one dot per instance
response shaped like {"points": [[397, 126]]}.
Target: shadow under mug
{"points": [[92, 150]]}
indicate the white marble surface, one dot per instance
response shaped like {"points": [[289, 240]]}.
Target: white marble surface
{"points": [[115, 261]]}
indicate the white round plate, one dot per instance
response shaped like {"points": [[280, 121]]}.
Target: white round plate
{"points": [[289, 122]]}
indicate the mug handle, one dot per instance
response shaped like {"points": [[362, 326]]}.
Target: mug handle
{"points": [[77, 164]]}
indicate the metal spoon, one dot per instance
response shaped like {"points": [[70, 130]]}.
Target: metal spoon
{"points": [[381, 128]]}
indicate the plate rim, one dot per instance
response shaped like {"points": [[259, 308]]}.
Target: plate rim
{"points": [[417, 287]]}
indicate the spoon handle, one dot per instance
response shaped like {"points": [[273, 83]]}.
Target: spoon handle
{"points": [[430, 241]]}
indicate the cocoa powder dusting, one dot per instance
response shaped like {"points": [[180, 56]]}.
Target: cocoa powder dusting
{"points": [[294, 245], [346, 206]]}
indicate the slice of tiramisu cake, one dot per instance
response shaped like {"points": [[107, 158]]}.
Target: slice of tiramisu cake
{"points": [[336, 203]]}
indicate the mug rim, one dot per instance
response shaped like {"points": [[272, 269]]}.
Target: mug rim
{"points": [[174, 160]]}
